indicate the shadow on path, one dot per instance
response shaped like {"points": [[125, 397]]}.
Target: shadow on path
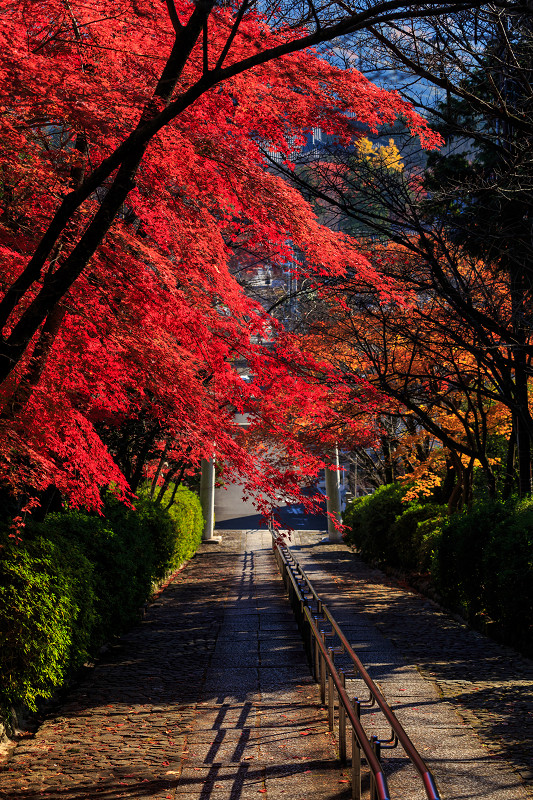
{"points": [[490, 685], [208, 697]]}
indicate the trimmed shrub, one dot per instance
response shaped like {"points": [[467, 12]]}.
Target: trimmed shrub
{"points": [[458, 568], [76, 580], [389, 531], [186, 514], [484, 569], [122, 554], [480, 560], [372, 517], [348, 516], [175, 532], [46, 616], [430, 532], [508, 577], [414, 535], [163, 535]]}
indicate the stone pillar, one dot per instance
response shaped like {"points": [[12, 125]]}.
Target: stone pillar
{"points": [[334, 499], [207, 500]]}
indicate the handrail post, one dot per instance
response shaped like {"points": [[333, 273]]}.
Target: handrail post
{"points": [[323, 673], [356, 757], [307, 634], [376, 747], [342, 724], [317, 660], [331, 698]]}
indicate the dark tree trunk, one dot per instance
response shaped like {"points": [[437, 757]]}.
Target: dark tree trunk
{"points": [[510, 476], [523, 417]]}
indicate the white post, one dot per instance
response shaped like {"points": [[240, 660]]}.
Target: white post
{"points": [[207, 500], [334, 499]]}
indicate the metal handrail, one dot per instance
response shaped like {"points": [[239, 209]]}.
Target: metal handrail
{"points": [[363, 742], [299, 586]]}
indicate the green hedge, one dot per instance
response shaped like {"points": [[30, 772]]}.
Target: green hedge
{"points": [[415, 535], [46, 617], [76, 580], [484, 569], [187, 519], [371, 520], [387, 530], [480, 561]]}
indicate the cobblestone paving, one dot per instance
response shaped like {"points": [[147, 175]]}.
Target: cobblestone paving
{"points": [[209, 697], [491, 686], [123, 731]]}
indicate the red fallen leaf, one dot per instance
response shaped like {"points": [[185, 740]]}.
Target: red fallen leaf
{"points": [[343, 780], [166, 763], [262, 791]]}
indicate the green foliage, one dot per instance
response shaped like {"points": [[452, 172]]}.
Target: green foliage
{"points": [[46, 613], [162, 534], [387, 530], [480, 560], [429, 531], [186, 514], [121, 550], [458, 569], [348, 516], [414, 536], [75, 580], [372, 517], [484, 568]]}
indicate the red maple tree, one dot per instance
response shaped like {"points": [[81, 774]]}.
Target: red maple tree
{"points": [[132, 165]]}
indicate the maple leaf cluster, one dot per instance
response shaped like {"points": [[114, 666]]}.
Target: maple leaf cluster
{"points": [[151, 331]]}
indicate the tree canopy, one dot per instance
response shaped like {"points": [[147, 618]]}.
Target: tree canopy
{"points": [[132, 171]]}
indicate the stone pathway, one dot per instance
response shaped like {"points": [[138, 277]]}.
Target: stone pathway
{"points": [[209, 697], [436, 672]]}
